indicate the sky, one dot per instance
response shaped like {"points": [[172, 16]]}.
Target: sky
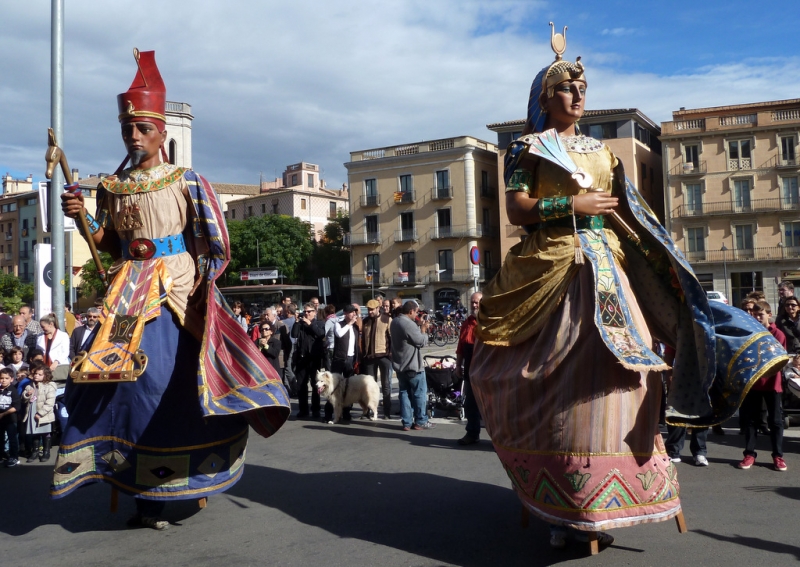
{"points": [[272, 83]]}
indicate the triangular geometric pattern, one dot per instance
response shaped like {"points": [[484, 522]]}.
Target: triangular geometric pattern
{"points": [[612, 492], [547, 491]]}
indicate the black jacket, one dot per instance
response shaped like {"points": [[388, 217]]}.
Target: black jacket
{"points": [[77, 338], [306, 335]]}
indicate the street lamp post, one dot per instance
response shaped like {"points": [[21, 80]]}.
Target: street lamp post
{"points": [[724, 251]]}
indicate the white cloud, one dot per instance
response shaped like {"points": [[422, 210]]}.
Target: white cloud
{"points": [[619, 31]]}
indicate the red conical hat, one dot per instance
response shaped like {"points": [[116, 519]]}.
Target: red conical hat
{"points": [[146, 98]]}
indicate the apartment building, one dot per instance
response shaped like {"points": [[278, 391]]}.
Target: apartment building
{"points": [[417, 210], [301, 193], [731, 174], [18, 222], [628, 132]]}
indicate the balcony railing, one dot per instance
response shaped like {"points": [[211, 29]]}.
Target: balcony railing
{"points": [[407, 235], [406, 278], [740, 164], [363, 280], [404, 197], [461, 231], [732, 207], [24, 255], [697, 124], [745, 255], [370, 200], [9, 236], [689, 168], [441, 193], [787, 162], [361, 238], [488, 192]]}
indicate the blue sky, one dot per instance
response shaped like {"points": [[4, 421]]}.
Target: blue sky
{"points": [[273, 83]]}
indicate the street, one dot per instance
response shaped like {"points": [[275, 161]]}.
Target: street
{"points": [[367, 493]]}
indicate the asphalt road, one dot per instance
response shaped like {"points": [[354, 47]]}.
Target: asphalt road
{"points": [[369, 494]]}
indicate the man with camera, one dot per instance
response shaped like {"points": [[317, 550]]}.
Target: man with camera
{"points": [[305, 334]]}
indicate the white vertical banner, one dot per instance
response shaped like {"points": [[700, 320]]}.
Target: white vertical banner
{"points": [[44, 202], [43, 286]]}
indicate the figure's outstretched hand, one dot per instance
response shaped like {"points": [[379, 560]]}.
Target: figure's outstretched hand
{"points": [[594, 203], [71, 204]]}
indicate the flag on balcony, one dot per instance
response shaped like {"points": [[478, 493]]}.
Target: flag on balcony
{"points": [[398, 196], [402, 276]]}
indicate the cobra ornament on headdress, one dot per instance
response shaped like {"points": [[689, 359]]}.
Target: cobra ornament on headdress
{"points": [[547, 79]]}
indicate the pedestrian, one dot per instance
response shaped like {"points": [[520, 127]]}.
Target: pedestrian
{"points": [[464, 350], [53, 343], [10, 409], [270, 346], [397, 305], [766, 390], [180, 429], [376, 351], [238, 314], [19, 337], [330, 334], [305, 364], [407, 342], [31, 324], [789, 324], [41, 399], [83, 336], [386, 306]]}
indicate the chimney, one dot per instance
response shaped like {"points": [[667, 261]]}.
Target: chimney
{"points": [[75, 175]]}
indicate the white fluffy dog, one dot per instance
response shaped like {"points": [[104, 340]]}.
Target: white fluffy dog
{"points": [[342, 392]]}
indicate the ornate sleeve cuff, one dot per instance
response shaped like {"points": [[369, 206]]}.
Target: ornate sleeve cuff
{"points": [[94, 226], [552, 208], [521, 180]]}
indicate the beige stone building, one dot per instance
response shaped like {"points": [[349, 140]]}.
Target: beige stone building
{"points": [[301, 193], [630, 134], [416, 212], [731, 174]]}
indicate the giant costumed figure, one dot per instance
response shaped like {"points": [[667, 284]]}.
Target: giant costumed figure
{"points": [[564, 370], [161, 403]]}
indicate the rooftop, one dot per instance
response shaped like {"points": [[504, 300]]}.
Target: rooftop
{"points": [[610, 112], [422, 147]]}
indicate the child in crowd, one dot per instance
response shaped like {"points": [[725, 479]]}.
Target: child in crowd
{"points": [[17, 363], [767, 389], [9, 408], [41, 396]]}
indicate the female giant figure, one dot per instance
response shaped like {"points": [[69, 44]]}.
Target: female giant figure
{"points": [[564, 370]]}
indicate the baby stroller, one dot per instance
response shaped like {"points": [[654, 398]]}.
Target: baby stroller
{"points": [[440, 375]]}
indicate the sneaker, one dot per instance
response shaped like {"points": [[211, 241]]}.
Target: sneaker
{"points": [[747, 462], [675, 459], [701, 461], [14, 462], [139, 521], [426, 425], [469, 440], [406, 428], [778, 462]]}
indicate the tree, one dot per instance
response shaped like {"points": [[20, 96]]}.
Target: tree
{"points": [[331, 258], [91, 283], [13, 293], [283, 241]]}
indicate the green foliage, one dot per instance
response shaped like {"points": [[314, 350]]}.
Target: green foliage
{"points": [[331, 259], [283, 241], [91, 283], [11, 305], [14, 293]]}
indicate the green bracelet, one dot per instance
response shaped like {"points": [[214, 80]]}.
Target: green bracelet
{"points": [[552, 208], [521, 180]]}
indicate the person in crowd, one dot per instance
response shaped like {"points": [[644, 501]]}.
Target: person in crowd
{"points": [[466, 345], [53, 343], [305, 364], [5, 321], [315, 302], [346, 353], [330, 334], [386, 307], [83, 336], [376, 351], [41, 398], [285, 329], [767, 390], [20, 337], [17, 363], [31, 324], [747, 305], [238, 314], [10, 410], [285, 301], [270, 346], [397, 305], [789, 324], [785, 291], [407, 343]]}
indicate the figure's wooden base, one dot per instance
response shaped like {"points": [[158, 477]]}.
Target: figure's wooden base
{"points": [[202, 503], [681, 521], [594, 545]]}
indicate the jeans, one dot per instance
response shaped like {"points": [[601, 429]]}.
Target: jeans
{"points": [[413, 395], [750, 412], [305, 372], [677, 435], [471, 411], [384, 365]]}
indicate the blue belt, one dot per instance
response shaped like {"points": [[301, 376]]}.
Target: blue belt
{"points": [[144, 248]]}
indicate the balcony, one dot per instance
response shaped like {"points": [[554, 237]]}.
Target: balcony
{"points": [[24, 255], [488, 192], [362, 238], [744, 255], [370, 200], [454, 276], [8, 256], [441, 193], [358, 280], [731, 207], [406, 278], [408, 235], [9, 236], [786, 162], [461, 231], [405, 197], [689, 168]]}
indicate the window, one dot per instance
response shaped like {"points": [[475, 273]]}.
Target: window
{"points": [[45, 241], [444, 226], [294, 179], [371, 187], [407, 231], [310, 180], [642, 134], [445, 265], [406, 185], [331, 209], [233, 213], [739, 155], [744, 237], [788, 150], [789, 193], [250, 210], [487, 222], [694, 198], [408, 264], [741, 194], [302, 204], [743, 283], [487, 262], [274, 208], [173, 151], [695, 243], [443, 179], [371, 227], [31, 201], [225, 214], [791, 233], [263, 208], [373, 264], [484, 181], [24, 223], [603, 131], [34, 222]]}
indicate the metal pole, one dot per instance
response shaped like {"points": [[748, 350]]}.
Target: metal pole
{"points": [[57, 184]]}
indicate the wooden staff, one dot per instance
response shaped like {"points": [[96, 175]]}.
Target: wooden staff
{"points": [[55, 155]]}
